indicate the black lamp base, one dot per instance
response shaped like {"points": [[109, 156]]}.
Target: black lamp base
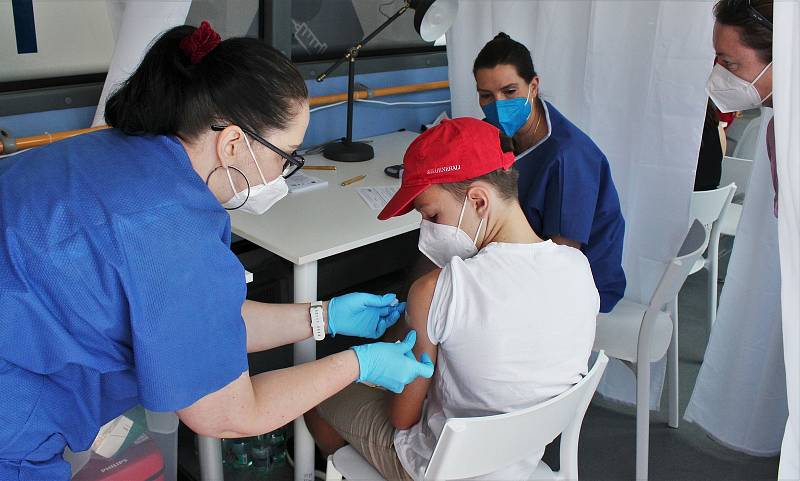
{"points": [[348, 151]]}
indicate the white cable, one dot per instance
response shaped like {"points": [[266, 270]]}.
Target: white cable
{"points": [[431, 102], [3, 156], [327, 106]]}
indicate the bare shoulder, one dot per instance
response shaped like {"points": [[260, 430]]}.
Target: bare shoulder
{"points": [[420, 297], [426, 283]]}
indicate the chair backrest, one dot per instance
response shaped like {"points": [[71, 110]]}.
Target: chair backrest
{"points": [[746, 146], [462, 448], [707, 206], [736, 171], [694, 244], [672, 280]]}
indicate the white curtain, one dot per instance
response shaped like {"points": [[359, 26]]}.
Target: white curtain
{"points": [[786, 81], [740, 394], [742, 397], [632, 75], [136, 23]]}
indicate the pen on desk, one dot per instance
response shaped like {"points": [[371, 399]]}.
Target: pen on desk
{"points": [[353, 180], [319, 167]]}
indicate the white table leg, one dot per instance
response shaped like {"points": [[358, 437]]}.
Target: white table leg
{"points": [[305, 290], [210, 452]]}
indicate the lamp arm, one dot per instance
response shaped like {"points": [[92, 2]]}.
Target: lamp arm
{"points": [[352, 52], [333, 67]]}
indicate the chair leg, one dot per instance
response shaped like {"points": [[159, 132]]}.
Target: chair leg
{"points": [[642, 418], [712, 264], [672, 368], [713, 273], [331, 473]]}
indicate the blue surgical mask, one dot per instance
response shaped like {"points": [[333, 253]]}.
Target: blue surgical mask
{"points": [[509, 115]]}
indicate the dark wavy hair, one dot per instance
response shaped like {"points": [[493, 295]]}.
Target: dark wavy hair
{"points": [[242, 81], [753, 19]]}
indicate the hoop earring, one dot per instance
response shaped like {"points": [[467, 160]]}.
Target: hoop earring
{"points": [[234, 190]]}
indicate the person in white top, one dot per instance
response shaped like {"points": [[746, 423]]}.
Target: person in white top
{"points": [[509, 319]]}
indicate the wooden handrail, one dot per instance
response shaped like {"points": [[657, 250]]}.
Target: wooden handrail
{"points": [[44, 139], [382, 92]]}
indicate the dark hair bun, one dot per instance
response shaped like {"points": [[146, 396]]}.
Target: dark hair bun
{"points": [[503, 50]]}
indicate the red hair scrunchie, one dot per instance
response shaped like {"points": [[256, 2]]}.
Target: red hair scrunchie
{"points": [[199, 43]]}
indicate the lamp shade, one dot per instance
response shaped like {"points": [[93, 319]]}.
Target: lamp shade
{"points": [[432, 18]]}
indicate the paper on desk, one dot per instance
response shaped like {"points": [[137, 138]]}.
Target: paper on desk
{"points": [[377, 197], [300, 182]]}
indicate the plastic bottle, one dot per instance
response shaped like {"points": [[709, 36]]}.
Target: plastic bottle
{"points": [[261, 449], [277, 440], [241, 454], [227, 453]]}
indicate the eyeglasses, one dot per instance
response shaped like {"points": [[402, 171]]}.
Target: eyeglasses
{"points": [[292, 162], [756, 15]]}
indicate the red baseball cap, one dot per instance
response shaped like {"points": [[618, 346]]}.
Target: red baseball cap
{"points": [[453, 151]]}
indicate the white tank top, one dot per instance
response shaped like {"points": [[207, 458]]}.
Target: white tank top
{"points": [[514, 327]]}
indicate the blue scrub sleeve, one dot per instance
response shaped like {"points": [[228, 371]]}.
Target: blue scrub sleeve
{"points": [[571, 196], [185, 290]]}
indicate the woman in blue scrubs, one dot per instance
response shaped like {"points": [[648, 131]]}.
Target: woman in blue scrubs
{"points": [[117, 282], [565, 183]]}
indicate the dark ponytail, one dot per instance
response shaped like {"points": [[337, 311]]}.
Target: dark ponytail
{"points": [[241, 81], [503, 50]]}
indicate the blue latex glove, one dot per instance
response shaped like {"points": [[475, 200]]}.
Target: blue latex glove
{"points": [[392, 365], [363, 315]]}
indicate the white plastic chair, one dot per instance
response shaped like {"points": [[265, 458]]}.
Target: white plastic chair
{"points": [[746, 145], [461, 450], [639, 334], [736, 171], [709, 207]]}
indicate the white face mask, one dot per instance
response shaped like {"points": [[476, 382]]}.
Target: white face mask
{"points": [[442, 242], [262, 196], [732, 94]]}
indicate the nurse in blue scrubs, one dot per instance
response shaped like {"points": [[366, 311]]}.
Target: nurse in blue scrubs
{"points": [[117, 283], [565, 183]]}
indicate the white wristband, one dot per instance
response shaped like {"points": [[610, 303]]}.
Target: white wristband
{"points": [[317, 321]]}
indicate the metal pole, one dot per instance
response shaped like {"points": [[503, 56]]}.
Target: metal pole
{"points": [[351, 76]]}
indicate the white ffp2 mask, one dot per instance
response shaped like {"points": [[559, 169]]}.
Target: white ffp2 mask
{"points": [[262, 196], [731, 93], [442, 242]]}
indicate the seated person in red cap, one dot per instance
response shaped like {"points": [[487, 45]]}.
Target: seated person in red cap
{"points": [[509, 319]]}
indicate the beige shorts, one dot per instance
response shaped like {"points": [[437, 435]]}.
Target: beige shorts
{"points": [[359, 414]]}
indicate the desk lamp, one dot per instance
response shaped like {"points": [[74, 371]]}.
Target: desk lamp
{"points": [[432, 18]]}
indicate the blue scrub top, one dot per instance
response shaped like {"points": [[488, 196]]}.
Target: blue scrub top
{"points": [[566, 189], [117, 287]]}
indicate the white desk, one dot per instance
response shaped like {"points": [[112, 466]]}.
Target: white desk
{"points": [[308, 226]]}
